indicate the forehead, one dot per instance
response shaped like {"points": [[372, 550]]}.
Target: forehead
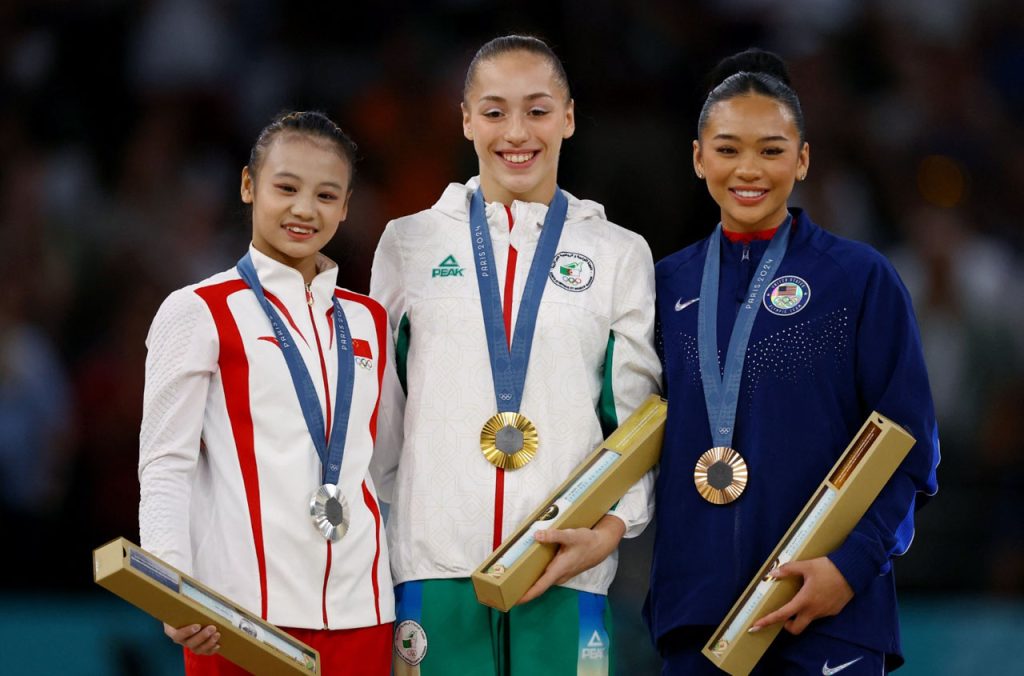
{"points": [[751, 115], [306, 156], [514, 75]]}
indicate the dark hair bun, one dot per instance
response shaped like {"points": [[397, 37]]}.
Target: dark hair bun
{"points": [[752, 60]]}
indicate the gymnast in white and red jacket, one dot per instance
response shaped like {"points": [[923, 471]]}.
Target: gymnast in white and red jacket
{"points": [[267, 388]]}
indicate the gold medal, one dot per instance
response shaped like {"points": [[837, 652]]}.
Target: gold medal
{"points": [[508, 440], [720, 475]]}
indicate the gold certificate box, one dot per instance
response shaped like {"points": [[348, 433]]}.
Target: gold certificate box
{"points": [[155, 587], [580, 502], [821, 527]]}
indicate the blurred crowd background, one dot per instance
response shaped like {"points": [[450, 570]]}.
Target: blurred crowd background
{"points": [[124, 127]]}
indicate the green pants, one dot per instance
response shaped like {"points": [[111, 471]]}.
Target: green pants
{"points": [[441, 629]]}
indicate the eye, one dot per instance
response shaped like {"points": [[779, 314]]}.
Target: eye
{"points": [[773, 151], [492, 113], [285, 187], [725, 150], [538, 112], [328, 196]]}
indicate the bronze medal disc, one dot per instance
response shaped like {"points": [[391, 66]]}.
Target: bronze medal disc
{"points": [[720, 475], [508, 440]]}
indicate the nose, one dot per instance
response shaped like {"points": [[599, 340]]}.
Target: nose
{"points": [[515, 131], [302, 206], [748, 168]]}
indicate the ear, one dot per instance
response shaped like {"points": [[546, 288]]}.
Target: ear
{"points": [[698, 163], [570, 119], [803, 162], [248, 189], [467, 130]]}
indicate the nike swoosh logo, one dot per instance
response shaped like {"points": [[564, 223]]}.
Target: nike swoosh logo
{"points": [[680, 305], [828, 671]]}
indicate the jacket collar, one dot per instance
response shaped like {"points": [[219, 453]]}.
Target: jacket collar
{"points": [[287, 284], [454, 202]]}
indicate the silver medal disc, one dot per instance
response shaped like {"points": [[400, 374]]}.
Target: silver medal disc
{"points": [[329, 512]]}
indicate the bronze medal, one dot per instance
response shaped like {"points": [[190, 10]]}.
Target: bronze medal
{"points": [[720, 475]]}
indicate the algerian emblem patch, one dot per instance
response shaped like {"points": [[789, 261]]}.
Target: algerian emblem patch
{"points": [[411, 642], [572, 271]]}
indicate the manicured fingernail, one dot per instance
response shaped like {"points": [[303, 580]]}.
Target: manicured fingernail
{"points": [[753, 630]]}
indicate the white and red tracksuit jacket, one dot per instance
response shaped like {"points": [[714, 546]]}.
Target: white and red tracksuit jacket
{"points": [[226, 463]]}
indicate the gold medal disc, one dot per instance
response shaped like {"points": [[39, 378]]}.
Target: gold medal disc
{"points": [[720, 475], [508, 440]]}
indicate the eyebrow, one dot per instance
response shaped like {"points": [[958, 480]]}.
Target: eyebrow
{"points": [[529, 97], [763, 139], [288, 174]]}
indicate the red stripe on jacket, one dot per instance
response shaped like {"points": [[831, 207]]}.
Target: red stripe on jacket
{"points": [[506, 311], [380, 323], [234, 368]]}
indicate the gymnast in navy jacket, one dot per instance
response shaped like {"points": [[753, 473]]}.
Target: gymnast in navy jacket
{"points": [[830, 336]]}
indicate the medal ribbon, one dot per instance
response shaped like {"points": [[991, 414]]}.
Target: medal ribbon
{"points": [[721, 393], [332, 455], [508, 365]]}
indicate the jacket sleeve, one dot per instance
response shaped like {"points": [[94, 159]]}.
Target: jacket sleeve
{"points": [[891, 379], [387, 288], [632, 369], [181, 359], [388, 446]]}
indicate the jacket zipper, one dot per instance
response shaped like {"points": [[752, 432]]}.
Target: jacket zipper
{"points": [[327, 433]]}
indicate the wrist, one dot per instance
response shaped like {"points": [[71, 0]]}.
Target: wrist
{"points": [[611, 529]]}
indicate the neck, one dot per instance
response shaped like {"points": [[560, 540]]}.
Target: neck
{"points": [[752, 231], [494, 192], [304, 266]]}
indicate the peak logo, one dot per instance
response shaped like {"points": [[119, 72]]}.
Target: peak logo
{"points": [[449, 267]]}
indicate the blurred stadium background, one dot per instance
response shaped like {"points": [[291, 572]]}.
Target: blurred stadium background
{"points": [[124, 125]]}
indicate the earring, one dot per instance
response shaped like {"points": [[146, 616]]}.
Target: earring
{"points": [[801, 176], [700, 175]]}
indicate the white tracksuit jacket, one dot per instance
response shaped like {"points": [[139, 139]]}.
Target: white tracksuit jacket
{"points": [[226, 463], [593, 361]]}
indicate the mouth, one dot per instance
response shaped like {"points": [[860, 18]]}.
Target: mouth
{"points": [[518, 158], [749, 195], [297, 231]]}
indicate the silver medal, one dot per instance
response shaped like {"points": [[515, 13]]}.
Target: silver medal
{"points": [[329, 512]]}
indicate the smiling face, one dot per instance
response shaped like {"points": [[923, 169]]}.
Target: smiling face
{"points": [[517, 114], [750, 155], [299, 197]]}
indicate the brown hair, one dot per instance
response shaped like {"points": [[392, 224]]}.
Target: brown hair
{"points": [[516, 43]]}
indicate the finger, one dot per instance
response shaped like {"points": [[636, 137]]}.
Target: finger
{"points": [[209, 646], [781, 615], [797, 624], [172, 633], [551, 575], [789, 569], [181, 634], [555, 536], [196, 640]]}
